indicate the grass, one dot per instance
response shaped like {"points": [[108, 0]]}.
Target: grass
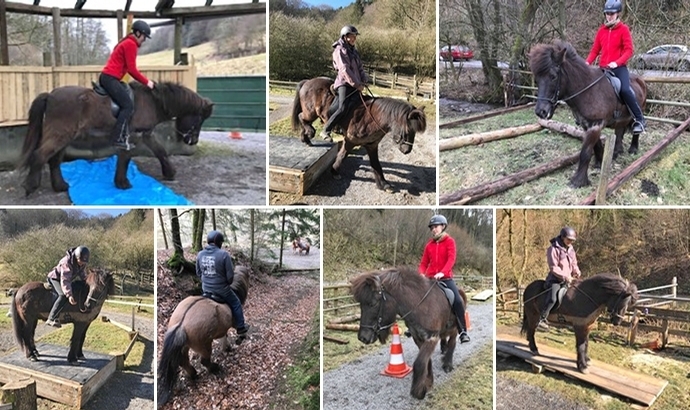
{"points": [[665, 365], [470, 166], [207, 62], [146, 312], [302, 380], [101, 338]]}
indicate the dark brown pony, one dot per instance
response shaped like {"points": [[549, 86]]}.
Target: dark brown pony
{"points": [[194, 324], [582, 304], [33, 301], [366, 125], [383, 295], [68, 113], [561, 74]]}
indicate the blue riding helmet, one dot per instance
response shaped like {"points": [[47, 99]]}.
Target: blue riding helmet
{"points": [[613, 6], [215, 237]]}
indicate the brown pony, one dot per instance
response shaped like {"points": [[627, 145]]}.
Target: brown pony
{"points": [[581, 306], [194, 324], [366, 124], [68, 113], [33, 301], [383, 295], [561, 74]]}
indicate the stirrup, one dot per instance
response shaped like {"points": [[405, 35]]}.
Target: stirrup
{"points": [[638, 127], [123, 143]]}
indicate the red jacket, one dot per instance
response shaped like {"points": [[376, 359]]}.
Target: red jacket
{"points": [[614, 44], [438, 257], [123, 61]]}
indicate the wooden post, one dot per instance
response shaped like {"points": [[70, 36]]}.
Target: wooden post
{"points": [[633, 327], [57, 43], [674, 290], [414, 85], [120, 18], [21, 393], [4, 41], [520, 302], [664, 333], [373, 77], [47, 59], [605, 170], [178, 40], [395, 80]]}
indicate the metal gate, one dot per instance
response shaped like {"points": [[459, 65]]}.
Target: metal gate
{"points": [[239, 102]]}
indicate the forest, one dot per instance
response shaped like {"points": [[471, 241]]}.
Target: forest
{"points": [[33, 241], [357, 240], [647, 246], [395, 35]]}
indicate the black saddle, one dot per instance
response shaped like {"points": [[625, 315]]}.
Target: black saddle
{"points": [[114, 108], [559, 295], [449, 293], [214, 297]]}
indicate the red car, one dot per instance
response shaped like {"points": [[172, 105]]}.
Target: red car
{"points": [[457, 52]]}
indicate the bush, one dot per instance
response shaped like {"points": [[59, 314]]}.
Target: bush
{"points": [[299, 48]]}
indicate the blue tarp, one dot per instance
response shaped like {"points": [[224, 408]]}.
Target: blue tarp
{"points": [[92, 183]]}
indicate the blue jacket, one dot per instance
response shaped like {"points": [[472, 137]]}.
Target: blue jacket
{"points": [[214, 267]]}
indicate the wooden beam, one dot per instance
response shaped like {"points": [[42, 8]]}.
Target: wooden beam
{"points": [[4, 41], [658, 79], [120, 21], [605, 170], [177, 41], [482, 137], [335, 340], [562, 128], [345, 319], [336, 326], [57, 43], [484, 115], [478, 192], [640, 163], [227, 10]]}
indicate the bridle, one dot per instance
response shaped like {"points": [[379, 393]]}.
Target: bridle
{"points": [[398, 139], [187, 135], [96, 299], [555, 97], [382, 294], [613, 312]]}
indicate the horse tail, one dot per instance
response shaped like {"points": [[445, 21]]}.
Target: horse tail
{"points": [[35, 131], [297, 107], [18, 323], [171, 358]]}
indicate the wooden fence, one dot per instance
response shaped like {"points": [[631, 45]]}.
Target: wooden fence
{"points": [[20, 85]]}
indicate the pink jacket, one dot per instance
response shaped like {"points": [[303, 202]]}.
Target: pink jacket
{"points": [[348, 64], [66, 271], [562, 262]]}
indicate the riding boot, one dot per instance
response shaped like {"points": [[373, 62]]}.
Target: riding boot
{"points": [[242, 334], [543, 324], [631, 102], [464, 337], [121, 140]]}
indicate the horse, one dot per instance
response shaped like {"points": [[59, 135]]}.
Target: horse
{"points": [[194, 324], [364, 125], [304, 246], [582, 304], [560, 73], [295, 247], [71, 112], [421, 303], [34, 300]]}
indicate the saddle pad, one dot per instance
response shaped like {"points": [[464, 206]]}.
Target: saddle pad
{"points": [[92, 183]]}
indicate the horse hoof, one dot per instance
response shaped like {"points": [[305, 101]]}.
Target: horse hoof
{"points": [[60, 187], [337, 176], [33, 358], [448, 368], [583, 370], [123, 184], [535, 352], [73, 362], [81, 358], [632, 151], [214, 368], [579, 184], [389, 189]]}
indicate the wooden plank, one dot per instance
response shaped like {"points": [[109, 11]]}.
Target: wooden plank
{"points": [[294, 166], [482, 137], [638, 387], [680, 315], [483, 295]]}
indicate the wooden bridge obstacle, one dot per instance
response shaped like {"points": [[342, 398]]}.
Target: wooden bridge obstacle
{"points": [[294, 167]]}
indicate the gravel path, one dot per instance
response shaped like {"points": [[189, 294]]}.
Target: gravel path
{"points": [[514, 395], [358, 385]]}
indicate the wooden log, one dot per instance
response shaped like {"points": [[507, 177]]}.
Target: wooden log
{"points": [[21, 393], [482, 137], [335, 340], [478, 192], [640, 163], [605, 170], [484, 115], [562, 128], [345, 319], [336, 326], [632, 333]]}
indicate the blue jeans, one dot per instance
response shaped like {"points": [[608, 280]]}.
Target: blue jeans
{"points": [[458, 305], [233, 301]]}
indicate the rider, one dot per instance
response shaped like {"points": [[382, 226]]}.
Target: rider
{"points": [[437, 263], [351, 76], [123, 61], [563, 268], [71, 267], [214, 267], [614, 42]]}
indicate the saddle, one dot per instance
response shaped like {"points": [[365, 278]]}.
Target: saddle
{"points": [[114, 108], [214, 297], [449, 293], [616, 84], [559, 295]]}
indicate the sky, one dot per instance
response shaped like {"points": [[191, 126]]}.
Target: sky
{"points": [[99, 211], [333, 3]]}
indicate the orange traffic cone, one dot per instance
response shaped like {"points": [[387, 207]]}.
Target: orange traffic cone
{"points": [[396, 365], [235, 135], [467, 321]]}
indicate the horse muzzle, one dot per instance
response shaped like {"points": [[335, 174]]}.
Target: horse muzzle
{"points": [[544, 111], [366, 336], [405, 147]]}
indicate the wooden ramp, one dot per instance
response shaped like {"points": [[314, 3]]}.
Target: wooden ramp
{"points": [[293, 166], [623, 382], [483, 295], [56, 379]]}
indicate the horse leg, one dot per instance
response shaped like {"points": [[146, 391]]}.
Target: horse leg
{"points": [[420, 369], [448, 356], [186, 365], [529, 323], [80, 345], [56, 179], [581, 336], [345, 148], [307, 133], [121, 180], [591, 138], [159, 151], [373, 152], [31, 337], [634, 144], [205, 354], [77, 338], [618, 148], [50, 146]]}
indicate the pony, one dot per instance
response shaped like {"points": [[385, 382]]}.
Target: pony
{"points": [[71, 112], [582, 304], [34, 300], [295, 247], [194, 324], [560, 73], [421, 303], [364, 125]]}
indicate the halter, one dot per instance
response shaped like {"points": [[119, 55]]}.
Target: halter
{"points": [[554, 98]]}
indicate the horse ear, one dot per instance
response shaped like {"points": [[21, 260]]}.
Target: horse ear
{"points": [[560, 55]]}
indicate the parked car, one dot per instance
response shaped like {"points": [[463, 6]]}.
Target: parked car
{"points": [[667, 56], [457, 52]]}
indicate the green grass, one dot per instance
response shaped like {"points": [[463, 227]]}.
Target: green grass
{"points": [[469, 387], [101, 338], [146, 312], [302, 380], [473, 165], [664, 365]]}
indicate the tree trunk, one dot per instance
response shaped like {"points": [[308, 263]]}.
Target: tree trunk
{"points": [[251, 230], [21, 393], [213, 219], [489, 64], [177, 263], [198, 221], [162, 224], [282, 240]]}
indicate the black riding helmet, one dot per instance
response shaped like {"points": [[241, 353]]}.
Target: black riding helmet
{"points": [[142, 27], [613, 6], [568, 233], [438, 220], [216, 238], [82, 254]]}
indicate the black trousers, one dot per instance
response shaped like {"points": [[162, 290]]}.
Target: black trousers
{"points": [[552, 289], [118, 93], [627, 93], [343, 92], [60, 302], [458, 306]]}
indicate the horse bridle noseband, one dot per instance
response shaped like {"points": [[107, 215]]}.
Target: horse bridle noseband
{"points": [[554, 98]]}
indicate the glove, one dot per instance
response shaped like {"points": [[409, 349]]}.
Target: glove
{"points": [[439, 276], [150, 84], [613, 65]]}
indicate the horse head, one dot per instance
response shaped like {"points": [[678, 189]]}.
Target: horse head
{"points": [[617, 306], [188, 126], [377, 310], [101, 284], [546, 62], [415, 122], [188, 108]]}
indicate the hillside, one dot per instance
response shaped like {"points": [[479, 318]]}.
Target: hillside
{"points": [[208, 63]]}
